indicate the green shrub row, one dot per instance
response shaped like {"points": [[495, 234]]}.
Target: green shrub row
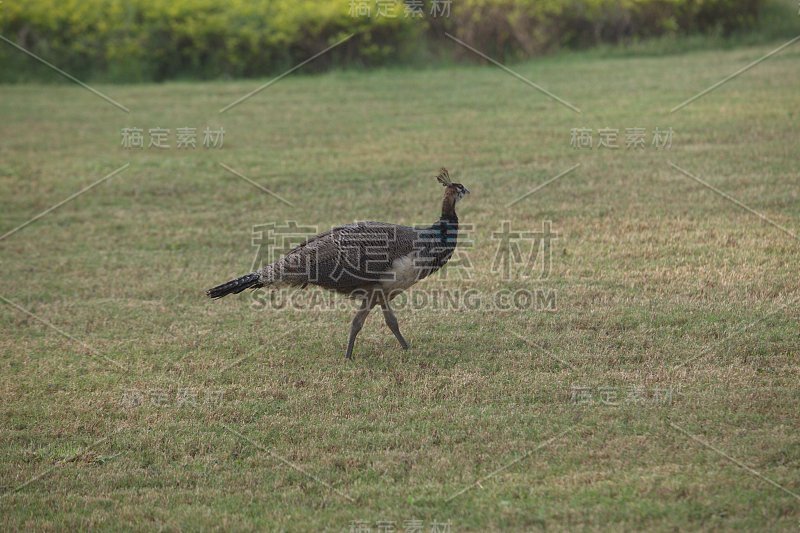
{"points": [[522, 28], [144, 40]]}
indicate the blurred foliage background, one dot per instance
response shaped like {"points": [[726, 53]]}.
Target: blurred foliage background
{"points": [[154, 40]]}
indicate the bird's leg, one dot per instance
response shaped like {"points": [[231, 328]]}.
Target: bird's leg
{"points": [[391, 321], [355, 327]]}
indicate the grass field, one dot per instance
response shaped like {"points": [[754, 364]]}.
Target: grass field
{"points": [[252, 419]]}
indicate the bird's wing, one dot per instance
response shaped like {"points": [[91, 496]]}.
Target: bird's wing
{"points": [[349, 256]]}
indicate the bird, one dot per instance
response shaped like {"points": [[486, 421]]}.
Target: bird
{"points": [[368, 261]]}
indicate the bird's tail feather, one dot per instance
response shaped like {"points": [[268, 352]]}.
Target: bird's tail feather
{"points": [[235, 286]]}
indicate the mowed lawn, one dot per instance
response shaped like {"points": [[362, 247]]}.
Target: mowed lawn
{"points": [[661, 393]]}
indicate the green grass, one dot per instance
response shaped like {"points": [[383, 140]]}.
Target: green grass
{"points": [[651, 269]]}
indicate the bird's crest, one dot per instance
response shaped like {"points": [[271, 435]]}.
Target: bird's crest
{"points": [[444, 177]]}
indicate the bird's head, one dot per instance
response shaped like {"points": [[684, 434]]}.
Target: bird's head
{"points": [[453, 191]]}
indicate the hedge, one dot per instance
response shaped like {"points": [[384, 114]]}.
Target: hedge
{"points": [[143, 40]]}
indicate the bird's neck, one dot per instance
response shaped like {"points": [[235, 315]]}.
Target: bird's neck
{"points": [[447, 225], [449, 208]]}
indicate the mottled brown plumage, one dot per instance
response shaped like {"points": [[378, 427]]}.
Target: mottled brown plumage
{"points": [[371, 261], [345, 258]]}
